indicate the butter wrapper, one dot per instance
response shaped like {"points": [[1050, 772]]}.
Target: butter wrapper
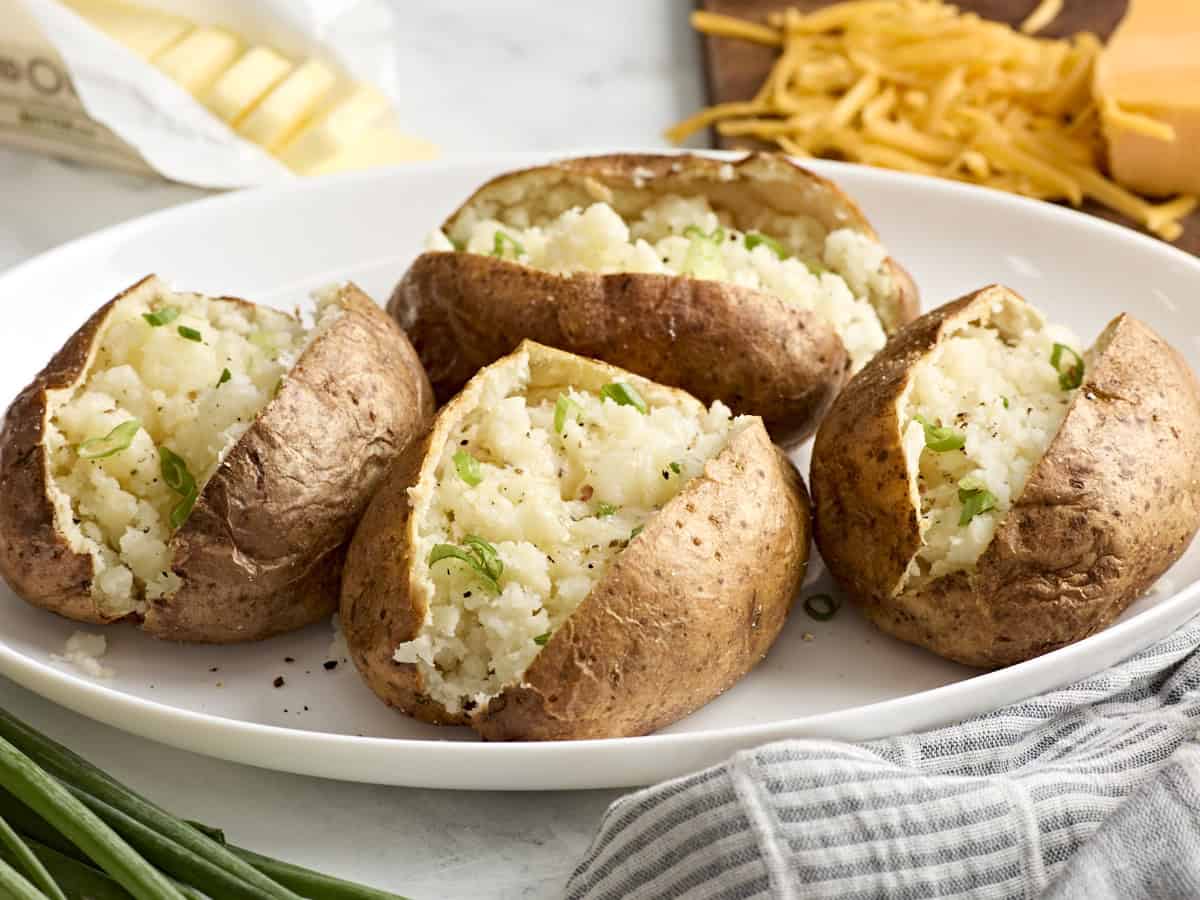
{"points": [[69, 90]]}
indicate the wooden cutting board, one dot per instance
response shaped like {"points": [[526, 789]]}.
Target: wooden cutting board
{"points": [[736, 69]]}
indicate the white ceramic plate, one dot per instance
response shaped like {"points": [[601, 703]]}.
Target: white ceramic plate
{"points": [[838, 679]]}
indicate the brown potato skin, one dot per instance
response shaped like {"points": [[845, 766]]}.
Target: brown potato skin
{"points": [[749, 349], [1112, 504], [690, 606], [262, 551]]}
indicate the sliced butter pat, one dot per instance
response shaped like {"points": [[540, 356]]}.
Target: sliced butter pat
{"points": [[333, 129], [197, 60], [1151, 67], [146, 32], [381, 146], [246, 82], [289, 105]]}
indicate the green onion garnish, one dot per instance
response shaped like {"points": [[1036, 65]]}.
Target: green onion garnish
{"points": [[703, 259], [541, 639], [1005, 399], [225, 376], [564, 407], [177, 477], [1071, 377], [755, 238], [114, 442], [636, 531], [501, 238], [975, 499], [604, 510], [676, 468], [941, 438], [468, 467], [623, 394], [162, 316], [822, 607], [190, 333], [476, 553]]}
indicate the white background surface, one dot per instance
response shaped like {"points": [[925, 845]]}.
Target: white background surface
{"points": [[482, 76]]}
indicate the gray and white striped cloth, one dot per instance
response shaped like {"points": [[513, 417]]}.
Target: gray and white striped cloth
{"points": [[1089, 792]]}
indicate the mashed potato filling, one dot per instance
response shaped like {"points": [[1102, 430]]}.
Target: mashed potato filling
{"points": [[540, 489], [174, 381], [978, 416], [833, 274]]}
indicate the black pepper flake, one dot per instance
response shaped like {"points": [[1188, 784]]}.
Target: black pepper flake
{"points": [[330, 665], [278, 682], [289, 659], [214, 668], [666, 475], [463, 442], [306, 709], [466, 594]]}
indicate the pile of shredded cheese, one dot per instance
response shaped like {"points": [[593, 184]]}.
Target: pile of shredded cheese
{"points": [[919, 86]]}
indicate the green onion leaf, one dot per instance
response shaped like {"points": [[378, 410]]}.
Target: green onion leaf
{"points": [[112, 443], [975, 499], [941, 438], [676, 468], [501, 238], [604, 510], [177, 477], [541, 639], [703, 259], [822, 607], [190, 333], [162, 316], [468, 468], [181, 510], [225, 376], [564, 407], [636, 531], [754, 239], [623, 394], [1071, 377], [478, 554], [1005, 399]]}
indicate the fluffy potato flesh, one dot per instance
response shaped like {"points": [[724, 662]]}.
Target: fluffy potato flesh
{"points": [[174, 381], [833, 273], [978, 415], [539, 486]]}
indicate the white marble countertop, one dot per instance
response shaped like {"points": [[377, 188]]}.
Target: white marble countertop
{"points": [[484, 76]]}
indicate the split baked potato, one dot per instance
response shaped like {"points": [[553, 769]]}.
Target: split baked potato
{"points": [[986, 489], [753, 282], [198, 464], [573, 552]]}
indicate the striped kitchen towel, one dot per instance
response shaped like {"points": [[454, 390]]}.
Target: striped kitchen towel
{"points": [[1085, 793]]}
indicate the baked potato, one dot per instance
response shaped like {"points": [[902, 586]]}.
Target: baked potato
{"points": [[753, 282], [984, 489], [573, 552], [198, 464]]}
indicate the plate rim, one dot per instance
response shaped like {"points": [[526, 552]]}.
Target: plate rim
{"points": [[122, 710]]}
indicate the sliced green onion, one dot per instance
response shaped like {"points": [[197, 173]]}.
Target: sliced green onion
{"points": [[190, 333], [26, 861], [1071, 377], [162, 317], [478, 554], [604, 510], [703, 259], [177, 477], [225, 376], [500, 239], [636, 531], [467, 467], [624, 394], [676, 468], [112, 443], [822, 607], [975, 499], [541, 639], [941, 438], [1005, 399], [564, 408], [755, 238]]}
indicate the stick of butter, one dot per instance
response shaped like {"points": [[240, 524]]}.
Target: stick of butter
{"points": [[1151, 67], [245, 83], [146, 32], [197, 60], [288, 106], [341, 122]]}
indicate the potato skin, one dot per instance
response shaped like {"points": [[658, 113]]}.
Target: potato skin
{"points": [[1112, 504], [262, 551], [691, 605], [752, 350]]}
